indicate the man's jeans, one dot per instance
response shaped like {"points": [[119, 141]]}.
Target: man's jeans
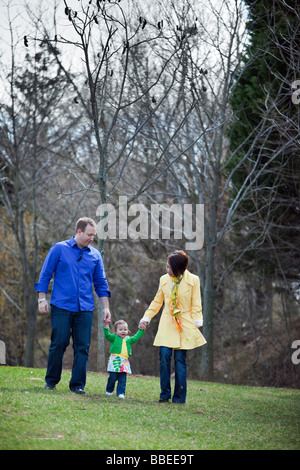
{"points": [[121, 377], [63, 324], [165, 355]]}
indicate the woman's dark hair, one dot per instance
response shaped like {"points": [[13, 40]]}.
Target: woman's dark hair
{"points": [[178, 262]]}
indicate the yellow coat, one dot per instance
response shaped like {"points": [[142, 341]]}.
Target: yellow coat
{"points": [[189, 303]]}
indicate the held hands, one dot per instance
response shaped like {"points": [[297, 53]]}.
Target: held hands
{"points": [[143, 325], [106, 317]]}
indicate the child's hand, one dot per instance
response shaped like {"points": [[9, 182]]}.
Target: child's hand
{"points": [[143, 325], [106, 323]]}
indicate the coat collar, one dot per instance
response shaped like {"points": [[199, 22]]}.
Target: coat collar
{"points": [[187, 277]]}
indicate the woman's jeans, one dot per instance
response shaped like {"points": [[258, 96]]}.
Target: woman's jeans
{"points": [[165, 355], [121, 377], [64, 324]]}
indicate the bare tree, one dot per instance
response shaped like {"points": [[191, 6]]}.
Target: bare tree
{"points": [[113, 40], [210, 57], [206, 177], [30, 141]]}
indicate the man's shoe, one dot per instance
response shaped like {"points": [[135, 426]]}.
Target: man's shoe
{"points": [[49, 387], [121, 396], [163, 400], [79, 391]]}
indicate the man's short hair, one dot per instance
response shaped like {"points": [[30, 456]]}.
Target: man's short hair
{"points": [[83, 222]]}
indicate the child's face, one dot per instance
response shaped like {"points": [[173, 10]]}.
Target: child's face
{"points": [[122, 330]]}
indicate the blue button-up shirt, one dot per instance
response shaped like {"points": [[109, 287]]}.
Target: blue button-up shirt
{"points": [[75, 271]]}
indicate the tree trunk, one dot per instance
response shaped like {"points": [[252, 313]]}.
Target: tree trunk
{"points": [[30, 334], [100, 340], [100, 333], [207, 358]]}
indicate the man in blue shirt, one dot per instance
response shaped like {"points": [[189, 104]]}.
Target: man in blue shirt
{"points": [[76, 267]]}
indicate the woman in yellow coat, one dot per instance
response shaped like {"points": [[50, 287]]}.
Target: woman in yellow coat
{"points": [[181, 317]]}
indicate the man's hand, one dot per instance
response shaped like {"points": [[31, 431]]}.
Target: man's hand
{"points": [[43, 307], [106, 316], [105, 309]]}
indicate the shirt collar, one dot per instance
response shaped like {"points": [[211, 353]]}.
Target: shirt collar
{"points": [[74, 244]]}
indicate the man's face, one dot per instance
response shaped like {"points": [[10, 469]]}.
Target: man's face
{"points": [[83, 239]]}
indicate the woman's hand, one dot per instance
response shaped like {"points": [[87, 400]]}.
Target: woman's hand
{"points": [[143, 325]]}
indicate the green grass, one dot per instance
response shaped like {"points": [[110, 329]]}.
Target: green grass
{"points": [[216, 416]]}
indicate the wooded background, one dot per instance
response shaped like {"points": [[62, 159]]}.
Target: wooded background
{"points": [[178, 102]]}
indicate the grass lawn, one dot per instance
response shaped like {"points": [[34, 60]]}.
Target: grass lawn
{"points": [[216, 416]]}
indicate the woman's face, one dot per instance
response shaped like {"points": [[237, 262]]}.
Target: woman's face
{"points": [[169, 270]]}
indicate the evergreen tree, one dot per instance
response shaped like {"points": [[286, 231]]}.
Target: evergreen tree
{"points": [[264, 139]]}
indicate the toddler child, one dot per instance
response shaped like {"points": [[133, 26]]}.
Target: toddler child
{"points": [[120, 350]]}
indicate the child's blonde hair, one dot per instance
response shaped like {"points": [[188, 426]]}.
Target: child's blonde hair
{"points": [[120, 322]]}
